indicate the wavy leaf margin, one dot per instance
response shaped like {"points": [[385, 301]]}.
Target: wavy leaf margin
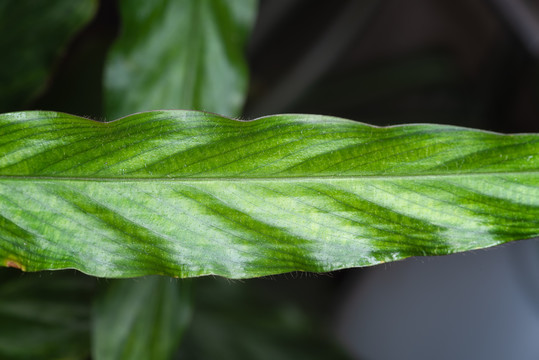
{"points": [[186, 193]]}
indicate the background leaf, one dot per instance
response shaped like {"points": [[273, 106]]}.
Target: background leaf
{"points": [[179, 54], [251, 322], [38, 33], [144, 321], [44, 316], [187, 193]]}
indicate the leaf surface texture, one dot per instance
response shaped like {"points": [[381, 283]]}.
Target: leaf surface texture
{"points": [[186, 193]]}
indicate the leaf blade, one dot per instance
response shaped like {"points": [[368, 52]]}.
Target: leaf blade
{"points": [[45, 316], [148, 325], [179, 54], [27, 65], [186, 193]]}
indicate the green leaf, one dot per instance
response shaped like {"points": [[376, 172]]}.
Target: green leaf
{"points": [[179, 54], [185, 193], [140, 319], [170, 54], [34, 34], [45, 316], [243, 321]]}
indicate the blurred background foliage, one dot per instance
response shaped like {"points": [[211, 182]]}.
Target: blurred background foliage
{"points": [[469, 63]]}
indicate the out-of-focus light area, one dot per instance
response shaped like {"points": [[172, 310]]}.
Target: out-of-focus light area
{"points": [[467, 63]]}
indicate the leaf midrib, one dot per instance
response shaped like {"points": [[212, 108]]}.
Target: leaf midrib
{"points": [[290, 178]]}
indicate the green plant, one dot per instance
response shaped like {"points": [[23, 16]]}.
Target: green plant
{"points": [[185, 194], [188, 193]]}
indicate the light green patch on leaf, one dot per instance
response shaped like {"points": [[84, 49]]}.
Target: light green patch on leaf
{"points": [[34, 34], [179, 54], [185, 193]]}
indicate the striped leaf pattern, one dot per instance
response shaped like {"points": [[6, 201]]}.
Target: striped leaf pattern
{"points": [[185, 193]]}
